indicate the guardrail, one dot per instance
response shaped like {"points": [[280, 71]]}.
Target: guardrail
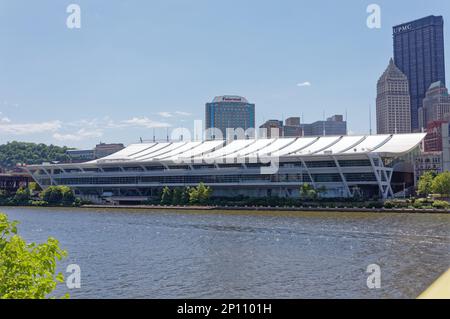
{"points": [[440, 289]]}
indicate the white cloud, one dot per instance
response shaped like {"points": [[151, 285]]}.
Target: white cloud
{"points": [[4, 119], [304, 84], [78, 136], [172, 114], [145, 122], [165, 114], [183, 113], [8, 127]]}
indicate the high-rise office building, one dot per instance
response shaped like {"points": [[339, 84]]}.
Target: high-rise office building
{"points": [[419, 54], [272, 129], [393, 102], [292, 127], [230, 112], [436, 105], [276, 128], [333, 126]]}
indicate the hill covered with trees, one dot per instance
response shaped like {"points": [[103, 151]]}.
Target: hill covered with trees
{"points": [[30, 153]]}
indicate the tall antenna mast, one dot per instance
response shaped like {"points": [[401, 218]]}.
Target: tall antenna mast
{"points": [[324, 130], [346, 122], [370, 119]]}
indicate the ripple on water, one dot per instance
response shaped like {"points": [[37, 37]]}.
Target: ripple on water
{"points": [[135, 254]]}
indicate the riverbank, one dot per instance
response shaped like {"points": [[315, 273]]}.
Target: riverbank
{"points": [[273, 209]]}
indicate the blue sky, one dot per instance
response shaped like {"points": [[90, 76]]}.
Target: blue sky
{"points": [[136, 65]]}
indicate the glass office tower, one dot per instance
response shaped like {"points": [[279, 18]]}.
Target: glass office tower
{"points": [[419, 54]]}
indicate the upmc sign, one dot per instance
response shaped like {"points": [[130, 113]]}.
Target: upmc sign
{"points": [[403, 28]]}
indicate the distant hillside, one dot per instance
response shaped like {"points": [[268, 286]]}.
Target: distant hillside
{"points": [[30, 153]]}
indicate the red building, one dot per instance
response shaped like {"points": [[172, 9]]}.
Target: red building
{"points": [[433, 140]]}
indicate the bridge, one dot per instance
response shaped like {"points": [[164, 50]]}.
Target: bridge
{"points": [[12, 182]]}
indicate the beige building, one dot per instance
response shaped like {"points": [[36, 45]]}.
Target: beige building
{"points": [[436, 105], [393, 102]]}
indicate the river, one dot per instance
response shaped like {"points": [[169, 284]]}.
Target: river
{"points": [[169, 254]]}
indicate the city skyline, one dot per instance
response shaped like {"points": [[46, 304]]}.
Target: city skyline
{"points": [[419, 53], [104, 83]]}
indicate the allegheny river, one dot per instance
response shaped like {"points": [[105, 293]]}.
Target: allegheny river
{"points": [[170, 254]]}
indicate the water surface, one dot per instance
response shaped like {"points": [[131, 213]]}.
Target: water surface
{"points": [[162, 254]]}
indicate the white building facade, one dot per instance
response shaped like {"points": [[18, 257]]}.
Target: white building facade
{"points": [[346, 166]]}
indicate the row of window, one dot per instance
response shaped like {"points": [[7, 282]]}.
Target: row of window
{"points": [[310, 164], [213, 179]]}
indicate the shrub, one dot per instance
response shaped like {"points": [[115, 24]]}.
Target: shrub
{"points": [[440, 204], [27, 271]]}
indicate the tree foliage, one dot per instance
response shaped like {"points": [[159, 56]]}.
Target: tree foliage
{"points": [[441, 184], [58, 195], [425, 185], [29, 153], [307, 191], [166, 196], [200, 194], [27, 271]]}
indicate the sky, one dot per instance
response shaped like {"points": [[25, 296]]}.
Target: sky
{"points": [[138, 67]]}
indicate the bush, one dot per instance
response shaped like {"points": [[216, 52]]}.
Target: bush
{"points": [[440, 204], [38, 203], [27, 271], [58, 195]]}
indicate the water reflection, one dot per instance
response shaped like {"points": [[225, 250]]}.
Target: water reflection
{"points": [[137, 254]]}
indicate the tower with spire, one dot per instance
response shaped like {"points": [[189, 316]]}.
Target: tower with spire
{"points": [[393, 102]]}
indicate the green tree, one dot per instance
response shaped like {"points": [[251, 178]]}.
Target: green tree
{"points": [[14, 153], [177, 196], [27, 271], [425, 185], [22, 196], [185, 196], [58, 195], [193, 196], [441, 184], [4, 197], [307, 191], [33, 187], [200, 194], [166, 196], [68, 197]]}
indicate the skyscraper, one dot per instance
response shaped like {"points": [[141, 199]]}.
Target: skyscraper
{"points": [[230, 112], [333, 126], [419, 54], [272, 129], [393, 102], [436, 105]]}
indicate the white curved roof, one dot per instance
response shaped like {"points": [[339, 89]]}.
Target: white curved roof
{"points": [[281, 147]]}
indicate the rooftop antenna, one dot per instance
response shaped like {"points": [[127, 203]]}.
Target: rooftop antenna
{"points": [[167, 134], [154, 137], [324, 129], [370, 119], [346, 122], [302, 127]]}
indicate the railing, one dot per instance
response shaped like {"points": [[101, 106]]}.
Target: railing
{"points": [[440, 289]]}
